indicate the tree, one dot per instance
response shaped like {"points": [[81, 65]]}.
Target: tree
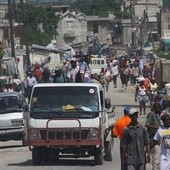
{"points": [[1, 56], [162, 52], [100, 7], [33, 17]]}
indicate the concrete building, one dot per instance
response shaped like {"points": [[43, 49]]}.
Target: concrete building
{"points": [[164, 25], [5, 27], [75, 28], [72, 28]]}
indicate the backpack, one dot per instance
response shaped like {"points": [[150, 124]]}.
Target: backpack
{"points": [[78, 77]]}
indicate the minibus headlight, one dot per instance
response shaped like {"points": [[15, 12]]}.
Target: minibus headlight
{"points": [[93, 133], [34, 135]]}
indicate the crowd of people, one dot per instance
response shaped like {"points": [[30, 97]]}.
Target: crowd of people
{"points": [[132, 71], [71, 71]]}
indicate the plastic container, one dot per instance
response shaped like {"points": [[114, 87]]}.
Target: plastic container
{"points": [[167, 88]]}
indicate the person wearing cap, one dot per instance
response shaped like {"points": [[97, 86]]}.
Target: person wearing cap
{"points": [[135, 144], [121, 125], [141, 95], [152, 124], [162, 136]]}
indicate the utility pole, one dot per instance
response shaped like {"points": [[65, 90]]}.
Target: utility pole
{"points": [[133, 23], [10, 17], [25, 32], [148, 24], [122, 9]]}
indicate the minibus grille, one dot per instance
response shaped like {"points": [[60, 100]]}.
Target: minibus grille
{"points": [[63, 134]]}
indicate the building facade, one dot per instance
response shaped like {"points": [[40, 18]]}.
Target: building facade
{"points": [[72, 28], [4, 24]]}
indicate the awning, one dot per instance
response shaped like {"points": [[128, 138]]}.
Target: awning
{"points": [[166, 41]]}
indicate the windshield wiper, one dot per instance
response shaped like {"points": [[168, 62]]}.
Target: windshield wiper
{"points": [[56, 112]]}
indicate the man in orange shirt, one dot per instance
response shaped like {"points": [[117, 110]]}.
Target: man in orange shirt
{"points": [[120, 125]]}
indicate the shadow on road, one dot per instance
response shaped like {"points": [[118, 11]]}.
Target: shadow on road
{"points": [[10, 146], [60, 162]]}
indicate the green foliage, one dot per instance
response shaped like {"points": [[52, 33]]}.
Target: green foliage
{"points": [[1, 52], [32, 17], [162, 52], [166, 2], [100, 7]]}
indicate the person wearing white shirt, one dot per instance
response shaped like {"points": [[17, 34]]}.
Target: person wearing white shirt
{"points": [[114, 72], [72, 71], [31, 81], [162, 136]]}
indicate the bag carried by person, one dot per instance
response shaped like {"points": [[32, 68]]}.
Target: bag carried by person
{"points": [[78, 77]]}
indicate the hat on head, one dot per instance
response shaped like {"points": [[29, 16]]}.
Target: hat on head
{"points": [[114, 61], [132, 111], [127, 108], [73, 59], [140, 79]]}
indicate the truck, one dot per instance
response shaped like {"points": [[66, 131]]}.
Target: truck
{"points": [[97, 64], [70, 120]]}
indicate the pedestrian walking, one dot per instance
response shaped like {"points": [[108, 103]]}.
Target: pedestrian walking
{"points": [[162, 136], [114, 72], [153, 90], [141, 95], [108, 78], [152, 123], [135, 72], [135, 144], [16, 83], [31, 81], [120, 125]]}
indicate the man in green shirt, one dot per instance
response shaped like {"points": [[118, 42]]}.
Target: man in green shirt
{"points": [[152, 124]]}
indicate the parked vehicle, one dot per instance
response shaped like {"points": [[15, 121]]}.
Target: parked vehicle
{"points": [[97, 64], [70, 120], [12, 123]]}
